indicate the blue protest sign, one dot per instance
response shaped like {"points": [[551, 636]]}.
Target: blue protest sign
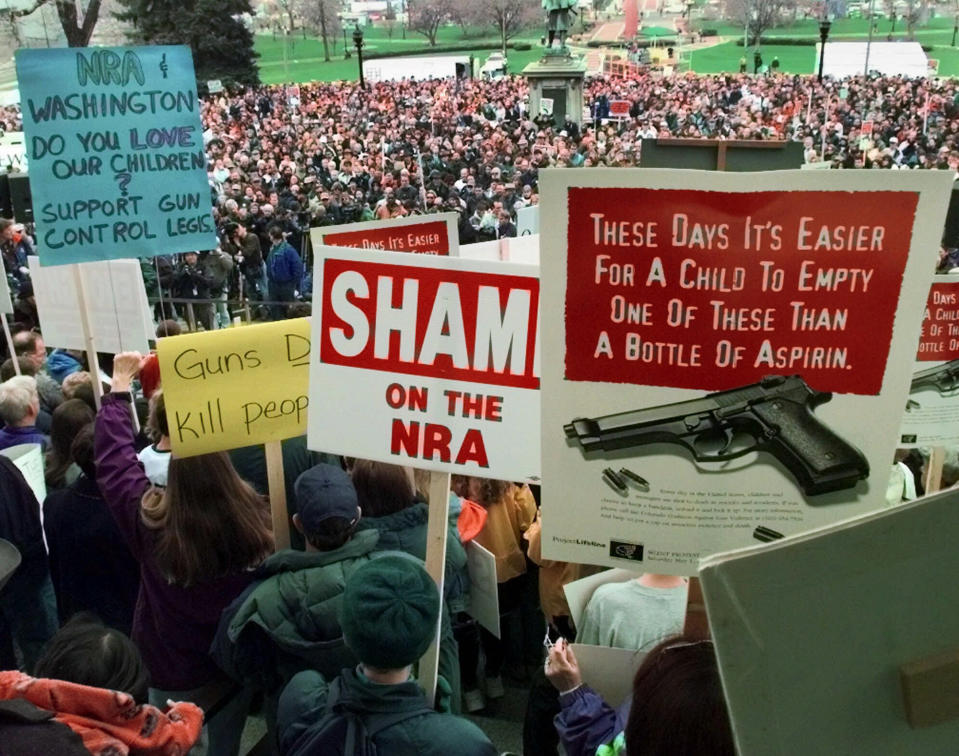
{"points": [[115, 148]]}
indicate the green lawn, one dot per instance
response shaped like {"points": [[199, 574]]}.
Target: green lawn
{"points": [[937, 31], [725, 57], [792, 58], [299, 59], [302, 59]]}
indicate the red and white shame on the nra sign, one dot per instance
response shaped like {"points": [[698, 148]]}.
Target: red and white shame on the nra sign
{"points": [[426, 361]]}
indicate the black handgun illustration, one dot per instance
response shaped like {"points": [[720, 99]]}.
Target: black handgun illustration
{"points": [[944, 378], [776, 413]]}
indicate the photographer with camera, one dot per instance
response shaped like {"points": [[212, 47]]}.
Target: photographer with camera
{"points": [[248, 254]]}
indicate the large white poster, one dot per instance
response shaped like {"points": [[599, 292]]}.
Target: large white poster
{"points": [[426, 361], [730, 354], [116, 301]]}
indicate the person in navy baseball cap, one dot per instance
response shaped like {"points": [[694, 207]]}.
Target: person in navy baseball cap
{"points": [[328, 507]]}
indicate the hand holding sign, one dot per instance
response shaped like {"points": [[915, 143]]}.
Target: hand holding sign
{"points": [[562, 669]]}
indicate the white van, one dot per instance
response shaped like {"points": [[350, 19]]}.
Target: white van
{"points": [[495, 66]]}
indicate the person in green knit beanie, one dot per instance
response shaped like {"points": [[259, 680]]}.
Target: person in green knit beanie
{"points": [[389, 612], [389, 616]]}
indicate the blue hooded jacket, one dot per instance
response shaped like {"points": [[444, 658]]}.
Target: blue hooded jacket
{"points": [[60, 364]]}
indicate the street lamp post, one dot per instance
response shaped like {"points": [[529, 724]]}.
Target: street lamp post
{"points": [[872, 25], [824, 27], [358, 41]]}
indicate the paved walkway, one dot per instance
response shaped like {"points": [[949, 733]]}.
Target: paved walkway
{"points": [[608, 32]]}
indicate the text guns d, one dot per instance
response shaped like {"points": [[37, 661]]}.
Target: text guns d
{"points": [[944, 378], [776, 413]]}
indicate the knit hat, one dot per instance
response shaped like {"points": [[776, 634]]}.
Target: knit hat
{"points": [[389, 611], [322, 492]]}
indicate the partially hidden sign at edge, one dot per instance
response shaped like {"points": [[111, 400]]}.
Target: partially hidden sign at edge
{"points": [[117, 165], [237, 386], [932, 412], [427, 361], [426, 234]]}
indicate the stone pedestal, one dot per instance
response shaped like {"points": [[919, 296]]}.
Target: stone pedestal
{"points": [[557, 78]]}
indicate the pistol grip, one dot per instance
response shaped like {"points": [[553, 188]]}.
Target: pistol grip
{"points": [[820, 460]]}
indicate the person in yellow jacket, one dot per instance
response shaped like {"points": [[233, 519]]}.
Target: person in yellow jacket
{"points": [[511, 510]]}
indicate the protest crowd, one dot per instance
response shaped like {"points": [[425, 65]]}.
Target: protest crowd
{"points": [[323, 154], [177, 554], [155, 576]]}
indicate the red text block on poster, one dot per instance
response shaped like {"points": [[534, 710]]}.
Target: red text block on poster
{"points": [[940, 324], [713, 290], [430, 237], [453, 324]]}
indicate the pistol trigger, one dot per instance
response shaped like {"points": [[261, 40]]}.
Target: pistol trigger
{"points": [[727, 441]]}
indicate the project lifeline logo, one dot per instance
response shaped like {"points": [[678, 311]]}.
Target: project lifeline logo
{"points": [[625, 550], [578, 541]]}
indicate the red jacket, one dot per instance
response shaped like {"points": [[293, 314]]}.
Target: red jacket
{"points": [[109, 722]]}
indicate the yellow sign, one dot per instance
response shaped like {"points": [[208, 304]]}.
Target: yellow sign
{"points": [[237, 386]]}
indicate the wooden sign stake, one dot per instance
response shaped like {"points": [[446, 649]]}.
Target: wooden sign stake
{"points": [[437, 529], [94, 365], [277, 484], [933, 478]]}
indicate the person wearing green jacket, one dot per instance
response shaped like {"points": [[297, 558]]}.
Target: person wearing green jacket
{"points": [[392, 509], [287, 620], [388, 615]]}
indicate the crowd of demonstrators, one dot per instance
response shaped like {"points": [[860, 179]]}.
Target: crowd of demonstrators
{"points": [[345, 154], [11, 119], [178, 553], [169, 591], [914, 121], [337, 153]]}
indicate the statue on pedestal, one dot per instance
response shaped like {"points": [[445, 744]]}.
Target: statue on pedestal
{"points": [[558, 22]]}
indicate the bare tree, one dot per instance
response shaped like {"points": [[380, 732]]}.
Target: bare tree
{"points": [[283, 13], [322, 16], [890, 7], [13, 13], [426, 17], [916, 12], [77, 31], [78, 18], [511, 17], [468, 15], [12, 16], [389, 19], [756, 16]]}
